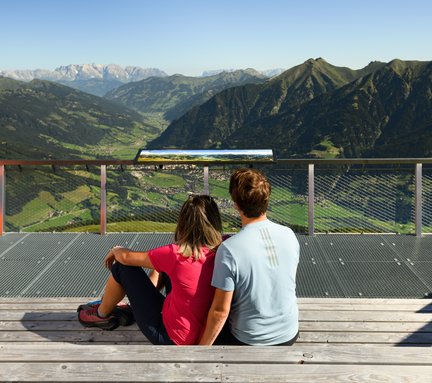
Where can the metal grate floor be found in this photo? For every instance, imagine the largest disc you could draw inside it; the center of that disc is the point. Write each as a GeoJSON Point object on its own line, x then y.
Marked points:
{"type": "Point", "coordinates": [333, 265]}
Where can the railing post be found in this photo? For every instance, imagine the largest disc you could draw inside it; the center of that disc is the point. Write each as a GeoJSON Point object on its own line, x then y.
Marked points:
{"type": "Point", "coordinates": [311, 199]}
{"type": "Point", "coordinates": [103, 212]}
{"type": "Point", "coordinates": [418, 200]}
{"type": "Point", "coordinates": [2, 199]}
{"type": "Point", "coordinates": [206, 180]}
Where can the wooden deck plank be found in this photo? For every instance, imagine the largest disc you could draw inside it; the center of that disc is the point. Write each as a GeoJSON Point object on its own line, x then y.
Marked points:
{"type": "Point", "coordinates": [366, 337]}
{"type": "Point", "coordinates": [206, 372]}
{"type": "Point", "coordinates": [323, 373]}
{"type": "Point", "coordinates": [74, 325]}
{"type": "Point", "coordinates": [301, 300]}
{"type": "Point", "coordinates": [321, 307]}
{"type": "Point", "coordinates": [132, 337]}
{"type": "Point", "coordinates": [304, 326]}
{"type": "Point", "coordinates": [420, 305]}
{"type": "Point", "coordinates": [45, 300]}
{"type": "Point", "coordinates": [367, 301]}
{"type": "Point", "coordinates": [365, 316]}
{"type": "Point", "coordinates": [323, 300]}
{"type": "Point", "coordinates": [297, 354]}
{"type": "Point", "coordinates": [305, 315]}
{"type": "Point", "coordinates": [71, 325]}
{"type": "Point", "coordinates": [349, 327]}
{"type": "Point", "coordinates": [426, 308]}
{"type": "Point", "coordinates": [111, 372]}
{"type": "Point", "coordinates": [82, 336]}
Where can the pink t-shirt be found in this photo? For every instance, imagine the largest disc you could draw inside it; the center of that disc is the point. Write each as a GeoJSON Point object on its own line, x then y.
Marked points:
{"type": "Point", "coordinates": [185, 309]}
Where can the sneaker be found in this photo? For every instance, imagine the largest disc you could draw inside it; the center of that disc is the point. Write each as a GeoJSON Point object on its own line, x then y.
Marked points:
{"type": "Point", "coordinates": [89, 317]}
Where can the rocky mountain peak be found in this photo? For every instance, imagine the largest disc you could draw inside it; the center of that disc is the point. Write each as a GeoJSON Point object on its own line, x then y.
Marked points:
{"type": "Point", "coordinates": [82, 72]}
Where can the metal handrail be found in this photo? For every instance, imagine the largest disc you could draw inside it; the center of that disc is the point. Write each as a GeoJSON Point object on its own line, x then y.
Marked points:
{"type": "Point", "coordinates": [103, 163]}
{"type": "Point", "coordinates": [281, 161]}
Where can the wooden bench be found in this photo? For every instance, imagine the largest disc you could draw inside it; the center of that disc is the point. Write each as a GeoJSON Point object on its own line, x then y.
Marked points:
{"type": "Point", "coordinates": [342, 340]}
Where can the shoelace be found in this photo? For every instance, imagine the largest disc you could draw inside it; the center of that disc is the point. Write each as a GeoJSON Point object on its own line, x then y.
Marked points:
{"type": "Point", "coordinates": [93, 312]}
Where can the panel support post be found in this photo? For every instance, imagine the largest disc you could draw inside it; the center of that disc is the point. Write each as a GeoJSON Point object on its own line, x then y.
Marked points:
{"type": "Point", "coordinates": [311, 199]}
{"type": "Point", "coordinates": [2, 199]}
{"type": "Point", "coordinates": [103, 207]}
{"type": "Point", "coordinates": [206, 180]}
{"type": "Point", "coordinates": [418, 200]}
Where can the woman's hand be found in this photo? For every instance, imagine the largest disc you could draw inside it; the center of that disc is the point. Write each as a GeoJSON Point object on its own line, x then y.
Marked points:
{"type": "Point", "coordinates": [109, 259]}
{"type": "Point", "coordinates": [114, 255]}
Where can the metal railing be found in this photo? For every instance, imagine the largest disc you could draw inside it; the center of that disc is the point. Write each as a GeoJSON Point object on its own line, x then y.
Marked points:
{"type": "Point", "coordinates": [311, 195]}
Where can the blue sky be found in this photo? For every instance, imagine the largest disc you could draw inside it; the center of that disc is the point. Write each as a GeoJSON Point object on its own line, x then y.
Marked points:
{"type": "Point", "coordinates": [190, 36]}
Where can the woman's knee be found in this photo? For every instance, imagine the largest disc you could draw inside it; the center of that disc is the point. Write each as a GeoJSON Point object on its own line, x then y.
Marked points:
{"type": "Point", "coordinates": [116, 271]}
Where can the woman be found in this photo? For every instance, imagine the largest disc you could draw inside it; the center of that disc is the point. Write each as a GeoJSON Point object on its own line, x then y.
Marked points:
{"type": "Point", "coordinates": [180, 317]}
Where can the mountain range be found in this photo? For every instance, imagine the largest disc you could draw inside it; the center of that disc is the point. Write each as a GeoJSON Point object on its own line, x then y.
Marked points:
{"type": "Point", "coordinates": [99, 79]}
{"type": "Point", "coordinates": [95, 79]}
{"type": "Point", "coordinates": [318, 110]}
{"type": "Point", "coordinates": [266, 73]}
{"type": "Point", "coordinates": [174, 95]}
{"type": "Point", "coordinates": [314, 109]}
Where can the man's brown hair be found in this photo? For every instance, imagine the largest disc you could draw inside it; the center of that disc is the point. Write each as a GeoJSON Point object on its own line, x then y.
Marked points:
{"type": "Point", "coordinates": [250, 190]}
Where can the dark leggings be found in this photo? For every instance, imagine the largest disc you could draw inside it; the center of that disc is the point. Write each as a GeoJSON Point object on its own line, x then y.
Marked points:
{"type": "Point", "coordinates": [146, 302]}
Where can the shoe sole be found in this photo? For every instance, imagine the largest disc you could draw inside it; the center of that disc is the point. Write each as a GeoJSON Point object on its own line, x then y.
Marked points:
{"type": "Point", "coordinates": [108, 326]}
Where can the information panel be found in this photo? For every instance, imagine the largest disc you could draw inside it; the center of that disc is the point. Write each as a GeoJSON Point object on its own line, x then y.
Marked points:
{"type": "Point", "coordinates": [216, 155]}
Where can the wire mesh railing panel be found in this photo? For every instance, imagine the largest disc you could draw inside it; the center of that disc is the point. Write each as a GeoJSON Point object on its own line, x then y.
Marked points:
{"type": "Point", "coordinates": [219, 178]}
{"type": "Point", "coordinates": [43, 199]}
{"type": "Point", "coordinates": [148, 199]}
{"type": "Point", "coordinates": [364, 201]}
{"type": "Point", "coordinates": [427, 201]}
{"type": "Point", "coordinates": [288, 201]}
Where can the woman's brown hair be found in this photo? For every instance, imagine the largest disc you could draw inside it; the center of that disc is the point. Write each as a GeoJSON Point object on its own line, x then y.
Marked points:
{"type": "Point", "coordinates": [250, 190]}
{"type": "Point", "coordinates": [199, 224]}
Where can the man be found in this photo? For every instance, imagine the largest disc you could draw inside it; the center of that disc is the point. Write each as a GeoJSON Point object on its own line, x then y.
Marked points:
{"type": "Point", "coordinates": [254, 274]}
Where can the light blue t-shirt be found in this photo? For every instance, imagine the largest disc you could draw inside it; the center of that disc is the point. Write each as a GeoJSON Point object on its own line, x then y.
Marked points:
{"type": "Point", "coordinates": [260, 264]}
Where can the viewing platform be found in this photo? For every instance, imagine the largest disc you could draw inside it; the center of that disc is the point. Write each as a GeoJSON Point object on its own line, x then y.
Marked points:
{"type": "Point", "coordinates": [347, 333]}
{"type": "Point", "coordinates": [364, 280]}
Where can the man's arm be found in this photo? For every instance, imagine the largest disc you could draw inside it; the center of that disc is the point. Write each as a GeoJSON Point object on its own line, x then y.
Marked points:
{"type": "Point", "coordinates": [217, 316]}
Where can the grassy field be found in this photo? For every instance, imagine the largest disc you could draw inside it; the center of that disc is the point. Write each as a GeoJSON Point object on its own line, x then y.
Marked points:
{"type": "Point", "coordinates": [129, 226]}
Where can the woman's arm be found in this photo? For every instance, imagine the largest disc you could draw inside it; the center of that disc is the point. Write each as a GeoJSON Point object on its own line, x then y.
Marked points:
{"type": "Point", "coordinates": [128, 257]}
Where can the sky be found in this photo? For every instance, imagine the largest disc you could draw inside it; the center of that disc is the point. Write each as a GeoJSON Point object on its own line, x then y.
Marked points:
{"type": "Point", "coordinates": [192, 36]}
